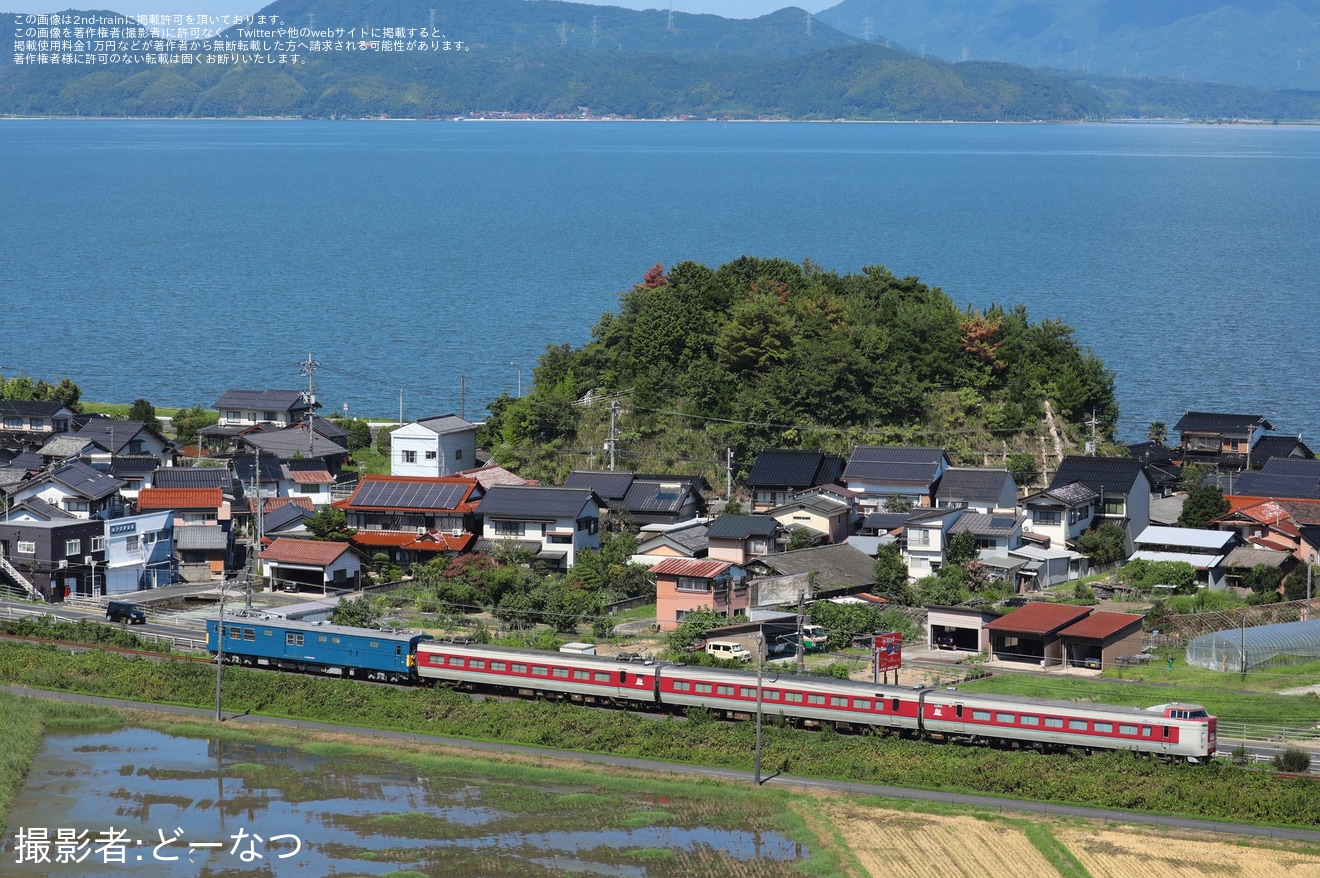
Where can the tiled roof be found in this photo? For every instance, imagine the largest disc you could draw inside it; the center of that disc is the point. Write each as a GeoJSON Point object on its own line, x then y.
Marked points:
{"type": "Point", "coordinates": [1100, 625]}
{"type": "Point", "coordinates": [492, 474]}
{"type": "Point", "coordinates": [315, 552]}
{"type": "Point", "coordinates": [987, 524]}
{"type": "Point", "coordinates": [527, 502]}
{"type": "Point", "coordinates": [821, 504]}
{"type": "Point", "coordinates": [28, 408]}
{"type": "Point", "coordinates": [1109, 475]}
{"type": "Point", "coordinates": [895, 464]}
{"type": "Point", "coordinates": [271, 504]}
{"type": "Point", "coordinates": [194, 477]}
{"type": "Point", "coordinates": [885, 520]}
{"type": "Point", "coordinates": [972, 485]}
{"type": "Point", "coordinates": [261, 400]}
{"type": "Point", "coordinates": [1268, 447]}
{"type": "Point", "coordinates": [292, 442]}
{"type": "Point", "coordinates": [1263, 484]}
{"type": "Point", "coordinates": [897, 454]}
{"type": "Point", "coordinates": [1216, 422]}
{"type": "Point", "coordinates": [1247, 557]}
{"type": "Point", "coordinates": [609, 486]}
{"type": "Point", "coordinates": [283, 516]}
{"type": "Point", "coordinates": [114, 434]}
{"type": "Point", "coordinates": [60, 447]}
{"type": "Point", "coordinates": [740, 527]}
{"type": "Point", "coordinates": [793, 468]}
{"type": "Point", "coordinates": [207, 537]}
{"type": "Point", "coordinates": [650, 496]}
{"type": "Point", "coordinates": [81, 478]}
{"type": "Point", "coordinates": [180, 498]}
{"type": "Point", "coordinates": [271, 468]}
{"type": "Point", "coordinates": [311, 477]}
{"type": "Point", "coordinates": [432, 541]}
{"type": "Point", "coordinates": [133, 464]}
{"type": "Point", "coordinates": [700, 569]}
{"type": "Point", "coordinates": [393, 538]}
{"type": "Point", "coordinates": [1038, 618]}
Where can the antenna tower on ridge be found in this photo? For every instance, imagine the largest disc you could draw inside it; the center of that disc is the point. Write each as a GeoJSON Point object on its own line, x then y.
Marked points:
{"type": "Point", "coordinates": [669, 25]}
{"type": "Point", "coordinates": [594, 31]}
{"type": "Point", "coordinates": [868, 29]}
{"type": "Point", "coordinates": [808, 25]}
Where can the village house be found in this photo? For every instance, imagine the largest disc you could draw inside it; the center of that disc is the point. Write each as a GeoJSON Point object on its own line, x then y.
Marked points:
{"type": "Point", "coordinates": [556, 523]}
{"type": "Point", "coordinates": [685, 584]}
{"type": "Point", "coordinates": [740, 538]}
{"type": "Point", "coordinates": [685, 539]}
{"type": "Point", "coordinates": [826, 518]}
{"type": "Point", "coordinates": [880, 472]}
{"type": "Point", "coordinates": [637, 499]}
{"type": "Point", "coordinates": [315, 565]}
{"type": "Point", "coordinates": [74, 487]}
{"type": "Point", "coordinates": [977, 490]}
{"type": "Point", "coordinates": [1205, 550]}
{"type": "Point", "coordinates": [203, 528]}
{"type": "Point", "coordinates": [1220, 440]}
{"type": "Point", "coordinates": [32, 420]}
{"type": "Point", "coordinates": [437, 446]}
{"type": "Point", "coordinates": [1087, 492]}
{"type": "Point", "coordinates": [779, 473]}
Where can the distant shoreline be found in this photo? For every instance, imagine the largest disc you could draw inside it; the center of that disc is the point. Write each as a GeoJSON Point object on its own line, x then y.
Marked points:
{"type": "Point", "coordinates": [1205, 123]}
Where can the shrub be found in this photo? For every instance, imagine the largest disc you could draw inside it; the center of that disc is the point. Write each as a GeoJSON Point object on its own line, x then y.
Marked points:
{"type": "Point", "coordinates": [1292, 759]}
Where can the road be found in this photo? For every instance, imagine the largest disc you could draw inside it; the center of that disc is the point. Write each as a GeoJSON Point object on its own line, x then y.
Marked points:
{"type": "Point", "coordinates": [840, 786]}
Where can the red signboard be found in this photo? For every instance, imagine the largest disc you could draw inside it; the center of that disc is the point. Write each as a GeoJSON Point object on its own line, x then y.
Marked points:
{"type": "Point", "coordinates": [888, 652]}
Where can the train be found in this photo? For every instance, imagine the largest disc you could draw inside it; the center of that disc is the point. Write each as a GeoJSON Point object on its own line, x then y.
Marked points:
{"type": "Point", "coordinates": [1170, 731]}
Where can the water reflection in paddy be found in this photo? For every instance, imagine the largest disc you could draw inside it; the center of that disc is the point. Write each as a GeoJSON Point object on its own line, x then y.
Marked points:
{"type": "Point", "coordinates": [350, 817]}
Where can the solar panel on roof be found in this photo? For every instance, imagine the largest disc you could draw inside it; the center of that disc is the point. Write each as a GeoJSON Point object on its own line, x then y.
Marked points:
{"type": "Point", "coordinates": [1002, 522]}
{"type": "Point", "coordinates": [411, 495]}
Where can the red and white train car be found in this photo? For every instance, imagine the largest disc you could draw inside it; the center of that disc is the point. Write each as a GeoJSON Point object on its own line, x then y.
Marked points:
{"type": "Point", "coordinates": [585, 678]}
{"type": "Point", "coordinates": [1184, 731]}
{"type": "Point", "coordinates": [844, 704]}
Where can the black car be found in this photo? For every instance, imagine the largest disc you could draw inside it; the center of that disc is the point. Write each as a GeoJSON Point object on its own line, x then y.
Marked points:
{"type": "Point", "coordinates": [946, 641]}
{"type": "Point", "coordinates": [122, 611]}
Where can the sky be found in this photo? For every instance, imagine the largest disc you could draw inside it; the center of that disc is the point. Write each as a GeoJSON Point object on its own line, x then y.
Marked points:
{"type": "Point", "coordinates": [726, 8]}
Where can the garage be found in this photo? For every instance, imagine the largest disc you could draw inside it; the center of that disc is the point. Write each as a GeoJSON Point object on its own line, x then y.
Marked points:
{"type": "Point", "coordinates": [957, 629]}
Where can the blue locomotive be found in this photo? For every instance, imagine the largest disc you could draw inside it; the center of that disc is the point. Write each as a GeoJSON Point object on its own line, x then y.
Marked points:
{"type": "Point", "coordinates": [317, 647]}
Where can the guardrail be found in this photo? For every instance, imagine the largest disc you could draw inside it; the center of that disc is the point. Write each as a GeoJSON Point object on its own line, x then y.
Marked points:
{"type": "Point", "coordinates": [175, 642]}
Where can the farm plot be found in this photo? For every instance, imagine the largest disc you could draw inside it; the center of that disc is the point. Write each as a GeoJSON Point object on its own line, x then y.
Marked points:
{"type": "Point", "coordinates": [903, 844]}
{"type": "Point", "coordinates": [1123, 853]}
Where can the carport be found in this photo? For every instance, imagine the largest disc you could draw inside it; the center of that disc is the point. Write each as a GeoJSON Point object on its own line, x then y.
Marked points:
{"type": "Point", "coordinates": [1031, 634]}
{"type": "Point", "coordinates": [1101, 640]}
{"type": "Point", "coordinates": [958, 628]}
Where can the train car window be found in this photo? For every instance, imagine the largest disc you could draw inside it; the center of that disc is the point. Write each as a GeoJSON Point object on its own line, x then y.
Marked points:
{"type": "Point", "coordinates": [291, 639]}
{"type": "Point", "coordinates": [374, 644]}
{"type": "Point", "coordinates": [770, 695]}
{"type": "Point", "coordinates": [499, 666]}
{"type": "Point", "coordinates": [1006, 718]}
{"type": "Point", "coordinates": [838, 701]}
{"type": "Point", "coordinates": [577, 674]}
{"type": "Point", "coordinates": [957, 711]}
{"type": "Point", "coordinates": [398, 648]}
{"type": "Point", "coordinates": [864, 704]}
{"type": "Point", "coordinates": [1145, 731]}
{"type": "Point", "coordinates": [1028, 719]}
{"type": "Point", "coordinates": [703, 687]}
{"type": "Point", "coordinates": [251, 634]}
{"type": "Point", "coordinates": [793, 696]}
{"type": "Point", "coordinates": [334, 639]}
{"type": "Point", "coordinates": [320, 638]}
{"type": "Point", "coordinates": [815, 699]}
{"type": "Point", "coordinates": [1107, 728]}
{"type": "Point", "coordinates": [682, 686]}
{"type": "Point", "coordinates": [1053, 722]}
{"type": "Point", "coordinates": [623, 678]}
{"type": "Point", "coordinates": [519, 668]}
{"type": "Point", "coordinates": [234, 632]}
{"type": "Point", "coordinates": [747, 692]}
{"type": "Point", "coordinates": [1077, 725]}
{"type": "Point", "coordinates": [1166, 731]}
{"type": "Point", "coordinates": [479, 664]}
{"type": "Point", "coordinates": [1127, 730]}
{"type": "Point", "coordinates": [540, 671]}
{"type": "Point", "coordinates": [981, 715]}
{"type": "Point", "coordinates": [267, 632]}
{"type": "Point", "coordinates": [724, 690]}
{"type": "Point", "coordinates": [895, 705]}
{"type": "Point", "coordinates": [602, 676]}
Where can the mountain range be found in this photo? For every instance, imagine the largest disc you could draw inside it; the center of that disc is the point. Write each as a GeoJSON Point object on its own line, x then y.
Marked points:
{"type": "Point", "coordinates": [541, 57]}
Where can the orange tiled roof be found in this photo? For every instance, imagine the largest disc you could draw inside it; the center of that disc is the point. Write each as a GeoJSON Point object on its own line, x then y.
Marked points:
{"type": "Point", "coordinates": [694, 567]}
{"type": "Point", "coordinates": [180, 498]}
{"type": "Point", "coordinates": [292, 551]}
{"type": "Point", "coordinates": [311, 477]}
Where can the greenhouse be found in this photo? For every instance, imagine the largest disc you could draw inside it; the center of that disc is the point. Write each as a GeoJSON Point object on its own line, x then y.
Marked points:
{"type": "Point", "coordinates": [1242, 649]}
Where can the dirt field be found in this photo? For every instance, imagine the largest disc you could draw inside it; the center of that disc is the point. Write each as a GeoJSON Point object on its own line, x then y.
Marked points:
{"type": "Point", "coordinates": [903, 844]}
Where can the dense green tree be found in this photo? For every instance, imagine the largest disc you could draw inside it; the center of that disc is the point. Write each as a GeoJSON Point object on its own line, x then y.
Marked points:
{"type": "Point", "coordinates": [358, 612]}
{"type": "Point", "coordinates": [188, 423]}
{"type": "Point", "coordinates": [692, 630]}
{"type": "Point", "coordinates": [1294, 587]}
{"type": "Point", "coordinates": [383, 440]}
{"type": "Point", "coordinates": [1105, 544]}
{"type": "Point", "coordinates": [359, 433]}
{"type": "Point", "coordinates": [962, 548]}
{"type": "Point", "coordinates": [1262, 578]}
{"type": "Point", "coordinates": [891, 576]}
{"type": "Point", "coordinates": [328, 523]}
{"type": "Point", "coordinates": [144, 412]}
{"type": "Point", "coordinates": [1204, 504]}
{"type": "Point", "coordinates": [1023, 468]}
{"type": "Point", "coordinates": [1157, 432]}
{"type": "Point", "coordinates": [945, 590]}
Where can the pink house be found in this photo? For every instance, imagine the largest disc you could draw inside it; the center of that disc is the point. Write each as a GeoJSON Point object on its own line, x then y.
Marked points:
{"type": "Point", "coordinates": [686, 584]}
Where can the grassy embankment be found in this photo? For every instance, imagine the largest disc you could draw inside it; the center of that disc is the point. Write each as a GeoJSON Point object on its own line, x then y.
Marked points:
{"type": "Point", "coordinates": [1218, 790]}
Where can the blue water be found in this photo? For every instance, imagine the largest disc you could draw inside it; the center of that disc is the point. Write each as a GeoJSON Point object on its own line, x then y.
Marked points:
{"type": "Point", "coordinates": [175, 260]}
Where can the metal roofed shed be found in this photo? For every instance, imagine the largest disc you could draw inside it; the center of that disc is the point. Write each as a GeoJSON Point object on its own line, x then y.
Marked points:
{"type": "Point", "coordinates": [1238, 650]}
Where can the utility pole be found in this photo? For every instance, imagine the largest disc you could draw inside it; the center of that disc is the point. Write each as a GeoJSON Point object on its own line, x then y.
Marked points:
{"type": "Point", "coordinates": [256, 536]}
{"type": "Point", "coordinates": [801, 620]}
{"type": "Point", "coordinates": [462, 396]}
{"type": "Point", "coordinates": [760, 665]}
{"type": "Point", "coordinates": [1092, 423]}
{"type": "Point", "coordinates": [614, 415]}
{"type": "Point", "coordinates": [728, 474]}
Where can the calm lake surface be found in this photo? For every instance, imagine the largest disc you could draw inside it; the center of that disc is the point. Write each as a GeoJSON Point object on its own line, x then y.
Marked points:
{"type": "Point", "coordinates": [317, 816]}
{"type": "Point", "coordinates": [175, 260]}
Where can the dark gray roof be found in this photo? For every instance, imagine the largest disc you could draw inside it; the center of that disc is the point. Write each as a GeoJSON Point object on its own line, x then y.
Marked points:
{"type": "Point", "coordinates": [447, 423]}
{"type": "Point", "coordinates": [697, 482]}
{"type": "Point", "coordinates": [1217, 422]}
{"type": "Point", "coordinates": [410, 493]}
{"type": "Point", "coordinates": [41, 509]}
{"type": "Point", "coordinates": [1289, 447]}
{"type": "Point", "coordinates": [1112, 475]}
{"type": "Point", "coordinates": [262, 400]}
{"type": "Point", "coordinates": [290, 443]}
{"type": "Point", "coordinates": [740, 527]}
{"type": "Point", "coordinates": [611, 487]}
{"type": "Point", "coordinates": [27, 460]}
{"type": "Point", "coordinates": [271, 469]}
{"type": "Point", "coordinates": [834, 565]}
{"type": "Point", "coordinates": [793, 468]}
{"type": "Point", "coordinates": [64, 446]}
{"type": "Point", "coordinates": [1073, 494]}
{"type": "Point", "coordinates": [1262, 484]}
{"type": "Point", "coordinates": [114, 434]}
{"type": "Point", "coordinates": [31, 408]}
{"type": "Point", "coordinates": [195, 477]}
{"type": "Point", "coordinates": [1291, 466]}
{"type": "Point", "coordinates": [328, 429]}
{"type": "Point", "coordinates": [282, 516]}
{"type": "Point", "coordinates": [972, 485]}
{"type": "Point", "coordinates": [648, 496]}
{"type": "Point", "coordinates": [885, 520]}
{"type": "Point", "coordinates": [305, 465]}
{"type": "Point", "coordinates": [82, 479]}
{"type": "Point", "coordinates": [133, 464]}
{"type": "Point", "coordinates": [691, 536]}
{"type": "Point", "coordinates": [536, 502]}
{"type": "Point", "coordinates": [895, 464]}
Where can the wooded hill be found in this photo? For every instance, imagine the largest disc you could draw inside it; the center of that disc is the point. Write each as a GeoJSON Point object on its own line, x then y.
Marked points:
{"type": "Point", "coordinates": [570, 58]}
{"type": "Point", "coordinates": [768, 353]}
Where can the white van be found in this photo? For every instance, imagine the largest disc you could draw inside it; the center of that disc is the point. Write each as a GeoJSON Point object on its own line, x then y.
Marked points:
{"type": "Point", "coordinates": [727, 649]}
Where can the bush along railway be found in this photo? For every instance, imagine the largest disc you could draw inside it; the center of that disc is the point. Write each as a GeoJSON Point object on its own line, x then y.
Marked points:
{"type": "Point", "coordinates": [1168, 731]}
